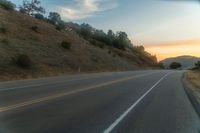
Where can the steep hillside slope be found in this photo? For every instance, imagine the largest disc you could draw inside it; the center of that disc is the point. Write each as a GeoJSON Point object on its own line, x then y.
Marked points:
{"type": "Point", "coordinates": [186, 61]}
{"type": "Point", "coordinates": [41, 42]}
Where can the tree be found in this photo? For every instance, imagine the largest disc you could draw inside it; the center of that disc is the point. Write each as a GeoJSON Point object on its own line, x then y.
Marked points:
{"type": "Point", "coordinates": [111, 37]}
{"type": "Point", "coordinates": [31, 8]}
{"type": "Point", "coordinates": [100, 36]}
{"type": "Point", "coordinates": [197, 64]}
{"type": "Point", "coordinates": [54, 18]}
{"type": "Point", "coordinates": [39, 16]}
{"type": "Point", "coordinates": [161, 65]}
{"type": "Point", "coordinates": [122, 41]}
{"type": "Point", "coordinates": [86, 30]}
{"type": "Point", "coordinates": [7, 5]}
{"type": "Point", "coordinates": [175, 65]}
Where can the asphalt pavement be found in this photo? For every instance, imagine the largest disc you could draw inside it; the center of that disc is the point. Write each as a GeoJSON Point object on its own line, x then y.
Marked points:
{"type": "Point", "coordinates": [151, 101]}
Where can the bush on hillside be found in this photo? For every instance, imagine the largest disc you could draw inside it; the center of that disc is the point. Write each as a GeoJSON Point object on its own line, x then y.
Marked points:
{"type": "Point", "coordinates": [197, 65]}
{"type": "Point", "coordinates": [7, 5]}
{"type": "Point", "coordinates": [175, 65]}
{"type": "Point", "coordinates": [3, 29]}
{"type": "Point", "coordinates": [34, 28]}
{"type": "Point", "coordinates": [66, 45]}
{"type": "Point", "coordinates": [5, 41]}
{"type": "Point", "coordinates": [23, 61]}
{"type": "Point", "coordinates": [39, 16]}
{"type": "Point", "coordinates": [161, 65]}
{"type": "Point", "coordinates": [58, 28]}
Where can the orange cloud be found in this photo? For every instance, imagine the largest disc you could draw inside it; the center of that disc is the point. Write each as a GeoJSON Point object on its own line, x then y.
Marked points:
{"type": "Point", "coordinates": [176, 48]}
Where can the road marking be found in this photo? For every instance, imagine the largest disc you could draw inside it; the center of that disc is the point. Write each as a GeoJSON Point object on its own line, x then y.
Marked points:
{"type": "Point", "coordinates": [43, 84]}
{"type": "Point", "coordinates": [47, 98]}
{"type": "Point", "coordinates": [37, 85]}
{"type": "Point", "coordinates": [119, 119]}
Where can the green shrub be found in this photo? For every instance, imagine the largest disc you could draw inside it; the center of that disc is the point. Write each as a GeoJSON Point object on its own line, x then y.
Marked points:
{"type": "Point", "coordinates": [34, 28]}
{"type": "Point", "coordinates": [66, 45]}
{"type": "Point", "coordinates": [23, 61]}
{"type": "Point", "coordinates": [197, 65]}
{"type": "Point", "coordinates": [39, 16]}
{"type": "Point", "coordinates": [7, 5]}
{"type": "Point", "coordinates": [3, 30]}
{"type": "Point", "coordinates": [59, 28]}
{"type": "Point", "coordinates": [175, 65]}
{"type": "Point", "coordinates": [100, 45]}
{"type": "Point", "coordinates": [161, 65]}
{"type": "Point", "coordinates": [120, 54]}
{"type": "Point", "coordinates": [5, 41]}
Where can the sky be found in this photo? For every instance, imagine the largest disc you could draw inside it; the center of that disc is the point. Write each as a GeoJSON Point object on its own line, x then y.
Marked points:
{"type": "Point", "coordinates": [167, 28]}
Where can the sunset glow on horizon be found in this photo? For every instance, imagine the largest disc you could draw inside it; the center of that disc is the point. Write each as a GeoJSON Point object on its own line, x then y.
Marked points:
{"type": "Point", "coordinates": [173, 49]}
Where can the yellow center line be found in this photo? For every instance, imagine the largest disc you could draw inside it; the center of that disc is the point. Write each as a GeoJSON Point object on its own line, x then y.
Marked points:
{"type": "Point", "coordinates": [47, 98]}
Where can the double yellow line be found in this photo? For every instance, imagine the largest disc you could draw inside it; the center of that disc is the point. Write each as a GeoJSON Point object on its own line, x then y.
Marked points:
{"type": "Point", "coordinates": [47, 98]}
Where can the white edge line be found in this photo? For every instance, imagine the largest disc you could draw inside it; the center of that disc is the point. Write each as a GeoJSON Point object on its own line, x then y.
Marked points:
{"type": "Point", "coordinates": [119, 119]}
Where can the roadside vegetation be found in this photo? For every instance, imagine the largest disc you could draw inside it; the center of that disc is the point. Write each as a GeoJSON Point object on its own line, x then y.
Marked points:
{"type": "Point", "coordinates": [35, 44]}
{"type": "Point", "coordinates": [175, 65]}
{"type": "Point", "coordinates": [193, 77]}
{"type": "Point", "coordinates": [23, 61]}
{"type": "Point", "coordinates": [66, 45]}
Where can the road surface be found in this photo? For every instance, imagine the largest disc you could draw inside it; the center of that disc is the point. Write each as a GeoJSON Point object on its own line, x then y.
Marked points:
{"type": "Point", "coordinates": [152, 101]}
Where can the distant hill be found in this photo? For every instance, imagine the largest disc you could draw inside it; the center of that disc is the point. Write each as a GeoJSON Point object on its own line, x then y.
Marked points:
{"type": "Point", "coordinates": [186, 61]}
{"type": "Point", "coordinates": [55, 52]}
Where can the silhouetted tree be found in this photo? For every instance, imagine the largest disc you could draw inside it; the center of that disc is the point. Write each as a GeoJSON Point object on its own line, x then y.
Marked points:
{"type": "Point", "coordinates": [161, 65]}
{"type": "Point", "coordinates": [197, 65]}
{"type": "Point", "coordinates": [31, 8]}
{"type": "Point", "coordinates": [175, 65]}
{"type": "Point", "coordinates": [54, 18]}
{"type": "Point", "coordinates": [39, 16]}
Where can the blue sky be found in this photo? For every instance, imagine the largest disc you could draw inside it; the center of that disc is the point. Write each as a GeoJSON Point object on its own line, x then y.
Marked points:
{"type": "Point", "coordinates": [147, 22]}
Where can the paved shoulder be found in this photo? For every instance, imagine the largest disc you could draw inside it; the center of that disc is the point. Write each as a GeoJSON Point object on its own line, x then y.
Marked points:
{"type": "Point", "coordinates": [166, 110]}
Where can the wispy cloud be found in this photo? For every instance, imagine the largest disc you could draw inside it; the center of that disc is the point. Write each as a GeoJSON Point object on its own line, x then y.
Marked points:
{"type": "Point", "coordinates": [85, 8]}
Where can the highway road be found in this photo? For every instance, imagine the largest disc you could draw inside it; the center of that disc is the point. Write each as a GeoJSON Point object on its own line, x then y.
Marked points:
{"type": "Point", "coordinates": [151, 101]}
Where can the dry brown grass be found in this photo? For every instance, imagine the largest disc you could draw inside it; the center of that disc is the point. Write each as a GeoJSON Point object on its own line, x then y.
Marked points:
{"type": "Point", "coordinates": [43, 46]}
{"type": "Point", "coordinates": [194, 79]}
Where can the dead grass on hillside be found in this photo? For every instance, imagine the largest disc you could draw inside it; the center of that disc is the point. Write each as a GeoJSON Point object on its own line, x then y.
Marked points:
{"type": "Point", "coordinates": [42, 42]}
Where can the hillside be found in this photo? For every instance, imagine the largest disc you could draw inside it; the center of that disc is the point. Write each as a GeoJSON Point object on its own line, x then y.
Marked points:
{"type": "Point", "coordinates": [186, 61]}
{"type": "Point", "coordinates": [21, 34]}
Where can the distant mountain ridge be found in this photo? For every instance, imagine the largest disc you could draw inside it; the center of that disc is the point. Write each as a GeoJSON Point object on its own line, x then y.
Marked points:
{"type": "Point", "coordinates": [186, 61]}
